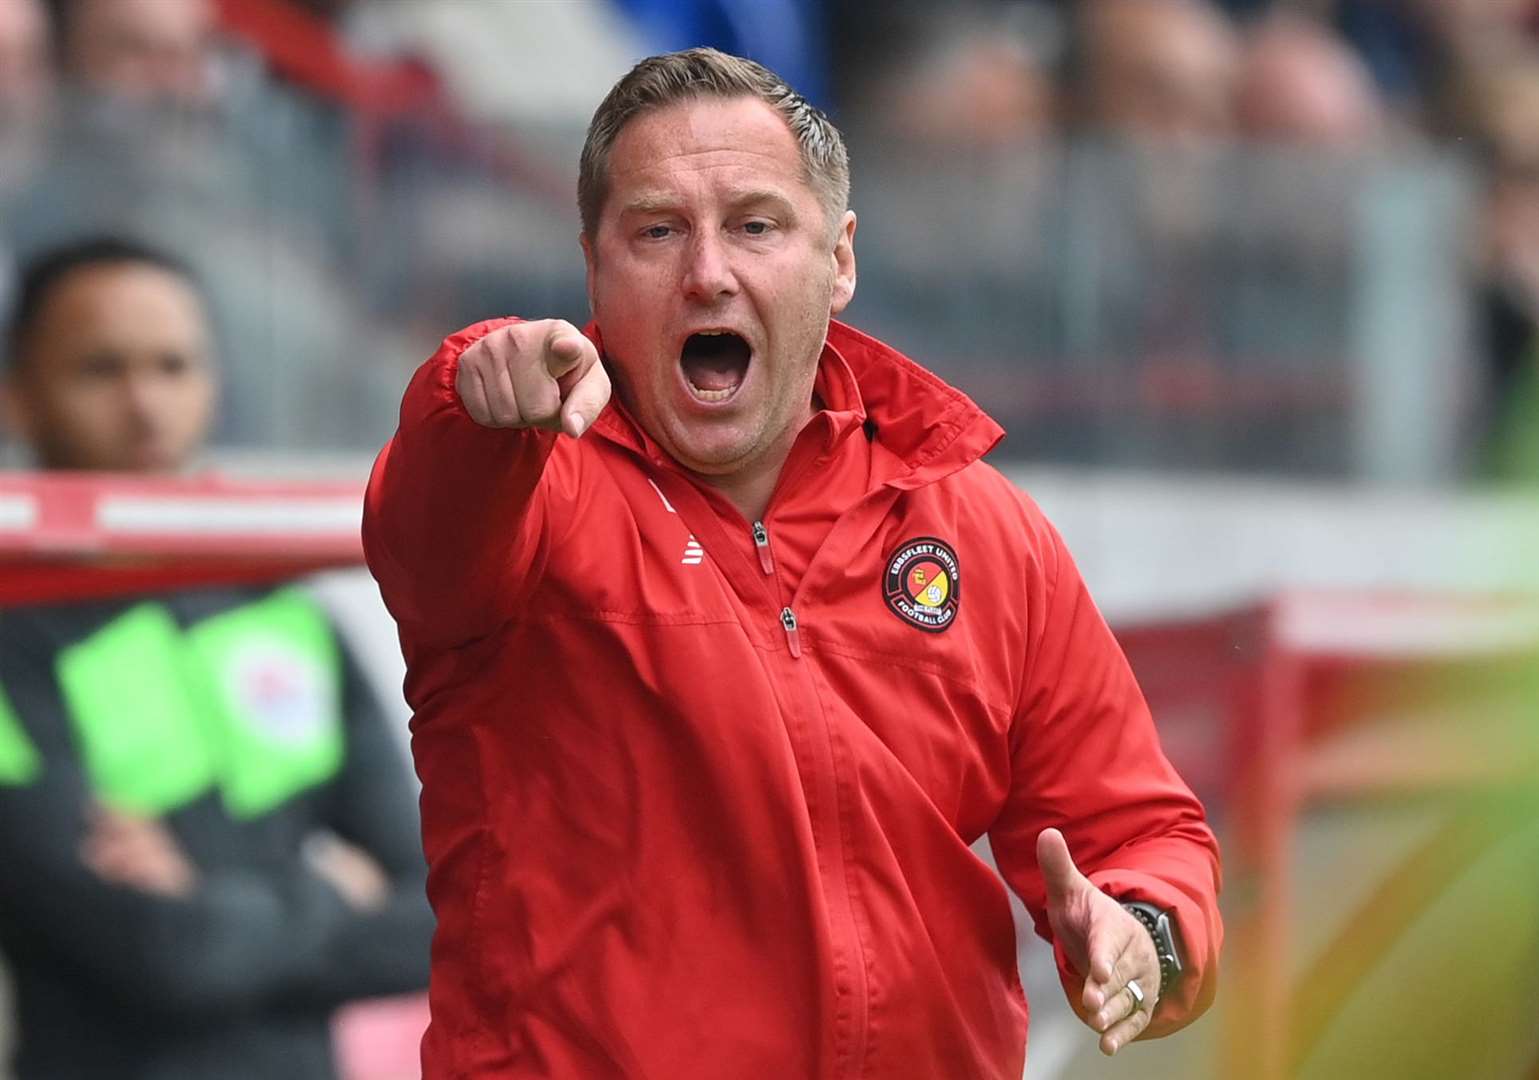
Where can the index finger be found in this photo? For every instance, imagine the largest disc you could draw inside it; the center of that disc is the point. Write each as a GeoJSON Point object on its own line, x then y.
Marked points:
{"type": "Point", "coordinates": [585, 401]}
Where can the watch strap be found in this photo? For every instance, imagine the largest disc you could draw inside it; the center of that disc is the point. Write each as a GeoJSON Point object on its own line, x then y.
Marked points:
{"type": "Point", "coordinates": [1162, 932]}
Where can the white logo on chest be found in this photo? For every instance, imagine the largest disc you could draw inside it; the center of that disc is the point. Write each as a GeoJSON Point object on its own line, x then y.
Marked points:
{"type": "Point", "coordinates": [694, 554]}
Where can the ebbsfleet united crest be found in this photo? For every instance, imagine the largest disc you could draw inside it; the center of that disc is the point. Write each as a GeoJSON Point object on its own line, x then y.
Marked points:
{"type": "Point", "coordinates": [923, 583]}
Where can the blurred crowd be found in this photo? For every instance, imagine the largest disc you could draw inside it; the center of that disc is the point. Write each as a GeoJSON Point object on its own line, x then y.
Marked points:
{"type": "Point", "coordinates": [351, 177]}
{"type": "Point", "coordinates": [1296, 85]}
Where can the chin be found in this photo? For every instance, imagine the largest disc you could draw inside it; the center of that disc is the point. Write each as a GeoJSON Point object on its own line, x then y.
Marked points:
{"type": "Point", "coordinates": [711, 457]}
{"type": "Point", "coordinates": [707, 463]}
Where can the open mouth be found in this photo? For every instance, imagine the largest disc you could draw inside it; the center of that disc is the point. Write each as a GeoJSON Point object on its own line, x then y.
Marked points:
{"type": "Point", "coordinates": [715, 362]}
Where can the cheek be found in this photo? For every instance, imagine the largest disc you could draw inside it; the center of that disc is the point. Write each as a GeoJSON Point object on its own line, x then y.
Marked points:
{"type": "Point", "coordinates": [89, 406]}
{"type": "Point", "coordinates": [632, 285]}
{"type": "Point", "coordinates": [806, 306]}
{"type": "Point", "coordinates": [191, 406]}
{"type": "Point", "coordinates": [89, 426]}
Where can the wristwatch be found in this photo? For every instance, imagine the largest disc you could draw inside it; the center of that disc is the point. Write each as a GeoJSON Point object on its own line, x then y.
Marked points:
{"type": "Point", "coordinates": [1167, 943]}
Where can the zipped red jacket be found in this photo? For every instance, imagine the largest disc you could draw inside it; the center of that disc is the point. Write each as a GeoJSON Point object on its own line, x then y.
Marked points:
{"type": "Point", "coordinates": [698, 792]}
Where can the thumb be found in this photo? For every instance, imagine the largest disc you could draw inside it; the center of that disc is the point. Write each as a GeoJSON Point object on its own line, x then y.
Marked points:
{"type": "Point", "coordinates": [564, 351]}
{"type": "Point", "coordinates": [1059, 873]}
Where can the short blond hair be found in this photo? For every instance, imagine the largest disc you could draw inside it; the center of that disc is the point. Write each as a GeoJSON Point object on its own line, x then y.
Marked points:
{"type": "Point", "coordinates": [660, 81]}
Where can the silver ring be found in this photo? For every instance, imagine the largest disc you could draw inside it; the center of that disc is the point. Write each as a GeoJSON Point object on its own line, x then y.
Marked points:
{"type": "Point", "coordinates": [1138, 995]}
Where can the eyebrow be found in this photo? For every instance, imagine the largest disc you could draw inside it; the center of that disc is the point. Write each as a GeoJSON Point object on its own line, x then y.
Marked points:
{"type": "Point", "coordinates": [649, 203]}
{"type": "Point", "coordinates": [657, 202]}
{"type": "Point", "coordinates": [757, 196]}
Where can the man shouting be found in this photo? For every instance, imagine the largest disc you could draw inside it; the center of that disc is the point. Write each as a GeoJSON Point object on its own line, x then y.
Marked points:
{"type": "Point", "coordinates": [716, 679]}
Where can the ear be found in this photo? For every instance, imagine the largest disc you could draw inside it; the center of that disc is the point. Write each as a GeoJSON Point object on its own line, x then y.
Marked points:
{"type": "Point", "coordinates": [590, 261]}
{"type": "Point", "coordinates": [844, 263]}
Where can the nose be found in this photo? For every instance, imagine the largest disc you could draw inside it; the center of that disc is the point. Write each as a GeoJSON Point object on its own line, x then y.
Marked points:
{"type": "Point", "coordinates": [147, 395]}
{"type": "Point", "coordinates": [708, 276]}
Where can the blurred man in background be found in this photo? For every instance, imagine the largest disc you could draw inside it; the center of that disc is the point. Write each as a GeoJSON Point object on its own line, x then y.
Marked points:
{"type": "Point", "coordinates": [26, 72]}
{"type": "Point", "coordinates": [1501, 110]}
{"type": "Point", "coordinates": [26, 92]}
{"type": "Point", "coordinates": [139, 50]}
{"type": "Point", "coordinates": [1302, 85]}
{"type": "Point", "coordinates": [1157, 70]}
{"type": "Point", "coordinates": [110, 363]}
{"type": "Point", "coordinates": [208, 834]}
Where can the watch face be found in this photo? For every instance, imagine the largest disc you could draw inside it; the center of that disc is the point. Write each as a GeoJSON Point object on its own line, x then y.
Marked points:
{"type": "Point", "coordinates": [1165, 940]}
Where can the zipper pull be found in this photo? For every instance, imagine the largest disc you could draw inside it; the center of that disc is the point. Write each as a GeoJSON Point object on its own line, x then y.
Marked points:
{"type": "Point", "coordinates": [788, 620]}
{"type": "Point", "coordinates": [761, 541]}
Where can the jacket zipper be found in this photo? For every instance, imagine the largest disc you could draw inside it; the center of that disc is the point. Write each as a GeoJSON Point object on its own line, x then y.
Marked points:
{"type": "Point", "coordinates": [794, 639]}
{"type": "Point", "coordinates": [761, 543]}
{"type": "Point", "coordinates": [789, 623]}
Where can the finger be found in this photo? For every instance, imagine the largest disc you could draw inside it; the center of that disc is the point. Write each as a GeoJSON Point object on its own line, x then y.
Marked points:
{"type": "Point", "coordinates": [1118, 1008]}
{"type": "Point", "coordinates": [1099, 991]}
{"type": "Point", "coordinates": [501, 397]}
{"type": "Point", "coordinates": [538, 396]}
{"type": "Point", "coordinates": [106, 819]}
{"type": "Point", "coordinates": [114, 863]}
{"type": "Point", "coordinates": [1125, 1032]}
{"type": "Point", "coordinates": [1059, 873]}
{"type": "Point", "coordinates": [585, 400]}
{"type": "Point", "coordinates": [1111, 961]}
{"type": "Point", "coordinates": [565, 349]}
{"type": "Point", "coordinates": [467, 381]}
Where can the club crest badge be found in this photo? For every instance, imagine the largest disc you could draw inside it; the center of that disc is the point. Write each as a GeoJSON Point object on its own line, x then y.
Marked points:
{"type": "Point", "coordinates": [923, 583]}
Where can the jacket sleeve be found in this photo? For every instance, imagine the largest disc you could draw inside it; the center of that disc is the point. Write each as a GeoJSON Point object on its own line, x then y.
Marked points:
{"type": "Point", "coordinates": [1086, 759]}
{"type": "Point", "coordinates": [373, 805]}
{"type": "Point", "coordinates": [455, 513]}
{"type": "Point", "coordinates": [240, 939]}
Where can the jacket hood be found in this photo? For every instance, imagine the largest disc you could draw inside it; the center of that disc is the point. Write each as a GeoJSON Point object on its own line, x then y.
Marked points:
{"type": "Point", "coordinates": [929, 426]}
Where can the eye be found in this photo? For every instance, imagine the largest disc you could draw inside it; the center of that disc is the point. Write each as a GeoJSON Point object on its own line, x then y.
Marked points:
{"type": "Point", "coordinates": [756, 228]}
{"type": "Point", "coordinates": [657, 232]}
{"type": "Point", "coordinates": [101, 366]}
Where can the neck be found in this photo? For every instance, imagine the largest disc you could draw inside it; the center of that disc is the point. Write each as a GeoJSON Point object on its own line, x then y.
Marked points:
{"type": "Point", "coordinates": [749, 492]}
{"type": "Point", "coordinates": [750, 488]}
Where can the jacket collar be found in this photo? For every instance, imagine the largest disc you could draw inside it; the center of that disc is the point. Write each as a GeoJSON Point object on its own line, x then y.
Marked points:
{"type": "Point", "coordinates": [930, 428]}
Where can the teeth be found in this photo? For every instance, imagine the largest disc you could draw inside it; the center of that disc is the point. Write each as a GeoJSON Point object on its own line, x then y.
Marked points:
{"type": "Point", "coordinates": [712, 395]}
{"type": "Point", "coordinates": [713, 333]}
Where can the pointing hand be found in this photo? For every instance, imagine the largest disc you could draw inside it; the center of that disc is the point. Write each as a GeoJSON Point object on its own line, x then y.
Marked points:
{"type": "Point", "coordinates": [542, 374]}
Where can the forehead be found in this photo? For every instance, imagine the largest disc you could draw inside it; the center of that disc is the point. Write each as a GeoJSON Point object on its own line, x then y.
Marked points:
{"type": "Point", "coordinates": [741, 137]}
{"type": "Point", "coordinates": [156, 19]}
{"type": "Point", "coordinates": [125, 305]}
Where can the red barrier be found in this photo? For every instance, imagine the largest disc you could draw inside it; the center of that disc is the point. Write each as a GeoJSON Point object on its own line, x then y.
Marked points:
{"type": "Point", "coordinates": [1328, 657]}
{"type": "Point", "coordinates": [67, 536]}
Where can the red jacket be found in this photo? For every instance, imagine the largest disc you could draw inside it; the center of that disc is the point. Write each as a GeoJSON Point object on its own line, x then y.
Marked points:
{"type": "Point", "coordinates": [697, 797]}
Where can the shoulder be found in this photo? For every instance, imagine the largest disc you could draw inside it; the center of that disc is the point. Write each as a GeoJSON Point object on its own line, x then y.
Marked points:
{"type": "Point", "coordinates": [994, 508]}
